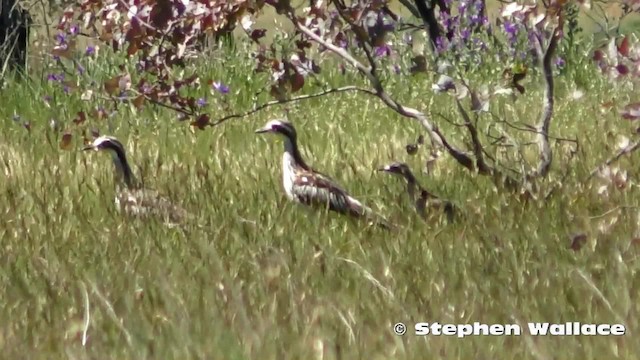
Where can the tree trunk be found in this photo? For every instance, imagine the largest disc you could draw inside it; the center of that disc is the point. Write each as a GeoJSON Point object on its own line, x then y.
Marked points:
{"type": "Point", "coordinates": [14, 36]}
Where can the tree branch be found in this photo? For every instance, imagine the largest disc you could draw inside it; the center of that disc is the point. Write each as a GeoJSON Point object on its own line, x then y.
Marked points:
{"type": "Point", "coordinates": [626, 150]}
{"type": "Point", "coordinates": [296, 98]}
{"type": "Point", "coordinates": [427, 14]}
{"type": "Point", "coordinates": [546, 155]}
{"type": "Point", "coordinates": [483, 168]}
{"type": "Point", "coordinates": [436, 137]}
{"type": "Point", "coordinates": [412, 9]}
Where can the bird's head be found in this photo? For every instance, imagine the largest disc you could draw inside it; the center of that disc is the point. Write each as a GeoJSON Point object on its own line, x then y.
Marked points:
{"type": "Point", "coordinates": [396, 168]}
{"type": "Point", "coordinates": [279, 126]}
{"type": "Point", "coordinates": [108, 143]}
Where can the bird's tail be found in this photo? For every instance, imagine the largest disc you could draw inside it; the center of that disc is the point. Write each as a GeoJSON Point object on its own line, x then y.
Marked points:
{"type": "Point", "coordinates": [362, 211]}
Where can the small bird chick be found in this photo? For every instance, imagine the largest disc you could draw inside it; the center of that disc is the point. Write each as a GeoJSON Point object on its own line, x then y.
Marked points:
{"type": "Point", "coordinates": [418, 195]}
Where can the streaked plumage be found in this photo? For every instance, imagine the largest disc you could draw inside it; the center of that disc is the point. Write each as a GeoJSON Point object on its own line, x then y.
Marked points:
{"type": "Point", "coordinates": [422, 199]}
{"type": "Point", "coordinates": [306, 186]}
{"type": "Point", "coordinates": [130, 197]}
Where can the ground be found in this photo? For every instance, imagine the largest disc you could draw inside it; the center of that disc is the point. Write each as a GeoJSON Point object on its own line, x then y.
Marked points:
{"type": "Point", "coordinates": [256, 276]}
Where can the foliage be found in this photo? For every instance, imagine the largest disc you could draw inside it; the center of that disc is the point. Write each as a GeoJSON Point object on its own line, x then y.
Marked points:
{"type": "Point", "coordinates": [257, 277]}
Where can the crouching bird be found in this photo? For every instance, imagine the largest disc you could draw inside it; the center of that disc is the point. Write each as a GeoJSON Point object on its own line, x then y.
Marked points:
{"type": "Point", "coordinates": [421, 199]}
{"type": "Point", "coordinates": [306, 186]}
{"type": "Point", "coordinates": [130, 196]}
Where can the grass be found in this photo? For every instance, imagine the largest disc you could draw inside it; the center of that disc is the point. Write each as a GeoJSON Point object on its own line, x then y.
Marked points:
{"type": "Point", "coordinates": [259, 277]}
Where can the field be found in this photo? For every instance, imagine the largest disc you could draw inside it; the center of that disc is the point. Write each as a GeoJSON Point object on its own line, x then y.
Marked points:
{"type": "Point", "coordinates": [255, 276]}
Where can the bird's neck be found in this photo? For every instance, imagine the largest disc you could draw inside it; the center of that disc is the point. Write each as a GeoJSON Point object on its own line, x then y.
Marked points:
{"type": "Point", "coordinates": [123, 170]}
{"type": "Point", "coordinates": [412, 185]}
{"type": "Point", "coordinates": [292, 154]}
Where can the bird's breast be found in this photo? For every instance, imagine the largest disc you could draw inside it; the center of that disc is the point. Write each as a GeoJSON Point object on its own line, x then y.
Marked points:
{"type": "Point", "coordinates": [288, 175]}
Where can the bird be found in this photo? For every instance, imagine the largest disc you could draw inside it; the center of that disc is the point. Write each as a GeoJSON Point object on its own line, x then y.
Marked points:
{"type": "Point", "coordinates": [130, 196]}
{"type": "Point", "coordinates": [306, 186]}
{"type": "Point", "coordinates": [419, 196]}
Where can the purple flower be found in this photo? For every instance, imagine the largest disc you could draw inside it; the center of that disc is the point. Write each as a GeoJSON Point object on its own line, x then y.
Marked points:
{"type": "Point", "coordinates": [220, 87]}
{"type": "Point", "coordinates": [61, 39]}
{"type": "Point", "coordinates": [381, 51]}
{"type": "Point", "coordinates": [560, 62]}
{"type": "Point", "coordinates": [81, 69]}
{"type": "Point", "coordinates": [74, 30]}
{"type": "Point", "coordinates": [510, 28]}
{"type": "Point", "coordinates": [449, 22]}
{"type": "Point", "coordinates": [201, 102]}
{"type": "Point", "coordinates": [441, 44]}
{"type": "Point", "coordinates": [55, 77]}
{"type": "Point", "coordinates": [480, 44]}
{"type": "Point", "coordinates": [66, 89]}
{"type": "Point", "coordinates": [462, 7]}
{"type": "Point", "coordinates": [90, 51]}
{"type": "Point", "coordinates": [465, 34]}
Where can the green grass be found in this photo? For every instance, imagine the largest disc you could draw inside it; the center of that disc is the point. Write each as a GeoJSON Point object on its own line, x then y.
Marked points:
{"type": "Point", "coordinates": [261, 278]}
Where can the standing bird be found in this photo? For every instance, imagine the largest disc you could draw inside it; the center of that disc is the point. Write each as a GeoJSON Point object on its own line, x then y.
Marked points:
{"type": "Point", "coordinates": [306, 186]}
{"type": "Point", "coordinates": [419, 196]}
{"type": "Point", "coordinates": [130, 197]}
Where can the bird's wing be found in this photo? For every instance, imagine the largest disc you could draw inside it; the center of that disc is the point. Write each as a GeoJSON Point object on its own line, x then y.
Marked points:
{"type": "Point", "coordinates": [150, 202]}
{"type": "Point", "coordinates": [313, 188]}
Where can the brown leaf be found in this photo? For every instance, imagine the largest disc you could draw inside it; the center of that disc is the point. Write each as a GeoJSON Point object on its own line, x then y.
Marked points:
{"type": "Point", "coordinates": [623, 48]}
{"type": "Point", "coordinates": [138, 101]}
{"type": "Point", "coordinates": [578, 241]}
{"type": "Point", "coordinates": [297, 82]}
{"type": "Point", "coordinates": [111, 85]}
{"type": "Point", "coordinates": [258, 34]}
{"type": "Point", "coordinates": [65, 143]}
{"type": "Point", "coordinates": [99, 113]}
{"type": "Point", "coordinates": [598, 55]}
{"type": "Point", "coordinates": [81, 118]}
{"type": "Point", "coordinates": [133, 48]}
{"type": "Point", "coordinates": [622, 69]}
{"type": "Point", "coordinates": [278, 92]}
{"type": "Point", "coordinates": [201, 122]}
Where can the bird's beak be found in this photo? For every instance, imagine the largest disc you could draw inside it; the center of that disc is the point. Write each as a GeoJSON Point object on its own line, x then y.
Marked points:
{"type": "Point", "coordinates": [263, 130]}
{"type": "Point", "coordinates": [383, 169]}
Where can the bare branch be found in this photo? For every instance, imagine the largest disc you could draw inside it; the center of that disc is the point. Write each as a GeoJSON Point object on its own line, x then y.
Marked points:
{"type": "Point", "coordinates": [436, 137]}
{"type": "Point", "coordinates": [532, 129]}
{"type": "Point", "coordinates": [483, 168]}
{"type": "Point", "coordinates": [546, 154]}
{"type": "Point", "coordinates": [296, 98]}
{"type": "Point", "coordinates": [627, 150]}
{"type": "Point", "coordinates": [412, 9]}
